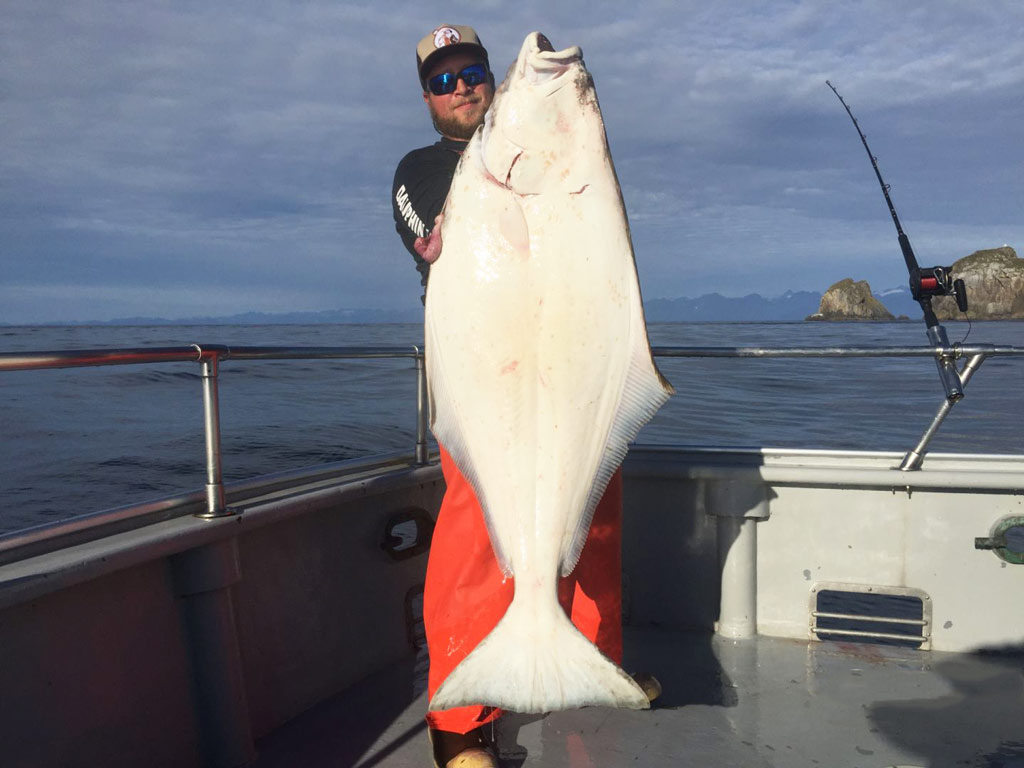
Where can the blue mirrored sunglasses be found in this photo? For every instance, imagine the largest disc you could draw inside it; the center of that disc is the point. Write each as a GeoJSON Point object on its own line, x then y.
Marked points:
{"type": "Point", "coordinates": [444, 83]}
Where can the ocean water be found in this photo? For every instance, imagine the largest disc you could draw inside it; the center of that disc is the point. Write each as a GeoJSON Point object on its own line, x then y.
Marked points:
{"type": "Point", "coordinates": [80, 440]}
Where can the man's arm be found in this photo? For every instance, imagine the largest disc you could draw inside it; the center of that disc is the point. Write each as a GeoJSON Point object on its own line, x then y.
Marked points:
{"type": "Point", "coordinates": [418, 194]}
{"type": "Point", "coordinates": [429, 247]}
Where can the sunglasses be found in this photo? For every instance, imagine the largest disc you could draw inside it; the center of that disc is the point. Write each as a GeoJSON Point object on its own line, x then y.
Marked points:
{"type": "Point", "coordinates": [444, 83]}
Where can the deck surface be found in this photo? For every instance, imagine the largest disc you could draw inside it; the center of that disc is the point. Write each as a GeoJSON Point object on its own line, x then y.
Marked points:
{"type": "Point", "coordinates": [763, 702]}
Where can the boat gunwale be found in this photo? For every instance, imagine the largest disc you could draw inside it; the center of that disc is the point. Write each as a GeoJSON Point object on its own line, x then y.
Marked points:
{"type": "Point", "coordinates": [41, 570]}
{"type": "Point", "coordinates": [28, 542]}
{"type": "Point", "coordinates": [99, 543]}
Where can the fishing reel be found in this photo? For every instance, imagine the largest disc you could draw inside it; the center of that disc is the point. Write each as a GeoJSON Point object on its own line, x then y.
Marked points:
{"type": "Point", "coordinates": [937, 281]}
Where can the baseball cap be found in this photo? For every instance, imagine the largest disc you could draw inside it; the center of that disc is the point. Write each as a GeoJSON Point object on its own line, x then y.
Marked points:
{"type": "Point", "coordinates": [446, 39]}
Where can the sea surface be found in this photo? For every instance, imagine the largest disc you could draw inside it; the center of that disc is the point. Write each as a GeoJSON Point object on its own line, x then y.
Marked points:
{"type": "Point", "coordinates": [81, 440]}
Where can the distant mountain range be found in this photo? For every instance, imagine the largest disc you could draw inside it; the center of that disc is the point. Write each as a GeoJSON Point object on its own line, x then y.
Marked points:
{"type": "Point", "coordinates": [792, 306]}
{"type": "Point", "coordinates": [330, 316]}
{"type": "Point", "coordinates": [900, 302]}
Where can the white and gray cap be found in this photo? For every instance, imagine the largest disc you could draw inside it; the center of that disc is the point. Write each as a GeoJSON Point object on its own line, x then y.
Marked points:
{"type": "Point", "coordinates": [443, 41]}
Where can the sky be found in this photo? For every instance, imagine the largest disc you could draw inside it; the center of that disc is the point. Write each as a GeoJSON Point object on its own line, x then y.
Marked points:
{"type": "Point", "coordinates": [181, 159]}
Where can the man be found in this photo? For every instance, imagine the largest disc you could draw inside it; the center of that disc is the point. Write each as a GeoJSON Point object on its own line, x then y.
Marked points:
{"type": "Point", "coordinates": [457, 105]}
{"type": "Point", "coordinates": [465, 594]}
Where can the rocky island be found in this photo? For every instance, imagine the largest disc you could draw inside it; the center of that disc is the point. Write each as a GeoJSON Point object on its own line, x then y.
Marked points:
{"type": "Point", "coordinates": [847, 300]}
{"type": "Point", "coordinates": [994, 279]}
{"type": "Point", "coordinates": [995, 286]}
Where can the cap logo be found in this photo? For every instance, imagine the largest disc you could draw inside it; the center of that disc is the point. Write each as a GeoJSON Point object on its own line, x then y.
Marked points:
{"type": "Point", "coordinates": [446, 36]}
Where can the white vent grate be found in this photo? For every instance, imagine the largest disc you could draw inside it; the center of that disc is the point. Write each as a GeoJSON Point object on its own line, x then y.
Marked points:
{"type": "Point", "coordinates": [871, 614]}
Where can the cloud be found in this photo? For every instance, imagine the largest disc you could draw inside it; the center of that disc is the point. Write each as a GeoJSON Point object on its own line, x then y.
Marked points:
{"type": "Point", "coordinates": [147, 148]}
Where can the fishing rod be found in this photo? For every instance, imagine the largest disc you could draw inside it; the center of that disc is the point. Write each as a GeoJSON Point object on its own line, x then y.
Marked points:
{"type": "Point", "coordinates": [924, 283]}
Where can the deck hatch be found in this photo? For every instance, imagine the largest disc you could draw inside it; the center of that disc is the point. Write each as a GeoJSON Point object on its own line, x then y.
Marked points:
{"type": "Point", "coordinates": [871, 614]}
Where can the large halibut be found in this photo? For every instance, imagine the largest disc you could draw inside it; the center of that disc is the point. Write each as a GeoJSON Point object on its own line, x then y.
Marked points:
{"type": "Point", "coordinates": [539, 369]}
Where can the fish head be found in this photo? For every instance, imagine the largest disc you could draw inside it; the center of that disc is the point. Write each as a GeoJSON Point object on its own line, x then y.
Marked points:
{"type": "Point", "coordinates": [544, 116]}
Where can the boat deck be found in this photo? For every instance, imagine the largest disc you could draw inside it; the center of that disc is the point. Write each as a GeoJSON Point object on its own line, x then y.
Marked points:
{"type": "Point", "coordinates": [760, 702]}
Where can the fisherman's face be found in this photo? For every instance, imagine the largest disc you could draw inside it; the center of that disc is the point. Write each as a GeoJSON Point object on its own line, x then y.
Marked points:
{"type": "Point", "coordinates": [458, 114]}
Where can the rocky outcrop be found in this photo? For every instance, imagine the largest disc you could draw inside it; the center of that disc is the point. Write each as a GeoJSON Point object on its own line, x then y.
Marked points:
{"type": "Point", "coordinates": [995, 286]}
{"type": "Point", "coordinates": [847, 300]}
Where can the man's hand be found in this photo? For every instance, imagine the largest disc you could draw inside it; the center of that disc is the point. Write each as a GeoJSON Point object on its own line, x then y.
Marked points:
{"type": "Point", "coordinates": [429, 247]}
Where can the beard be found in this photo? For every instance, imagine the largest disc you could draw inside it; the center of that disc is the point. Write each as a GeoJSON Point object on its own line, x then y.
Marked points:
{"type": "Point", "coordinates": [453, 127]}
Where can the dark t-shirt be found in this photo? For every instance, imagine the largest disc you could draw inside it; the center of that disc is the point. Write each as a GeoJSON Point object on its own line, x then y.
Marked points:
{"type": "Point", "coordinates": [421, 185]}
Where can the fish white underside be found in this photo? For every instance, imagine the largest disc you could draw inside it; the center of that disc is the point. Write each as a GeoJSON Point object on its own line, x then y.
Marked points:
{"type": "Point", "coordinates": [540, 374]}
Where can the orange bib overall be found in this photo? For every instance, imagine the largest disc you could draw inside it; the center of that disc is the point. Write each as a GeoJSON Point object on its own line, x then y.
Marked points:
{"type": "Point", "coordinates": [465, 594]}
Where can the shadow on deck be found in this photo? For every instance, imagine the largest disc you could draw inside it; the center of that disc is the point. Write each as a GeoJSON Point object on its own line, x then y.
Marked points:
{"type": "Point", "coordinates": [762, 702]}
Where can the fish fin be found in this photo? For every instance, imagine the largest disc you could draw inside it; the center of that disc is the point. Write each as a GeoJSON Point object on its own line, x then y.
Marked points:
{"type": "Point", "coordinates": [571, 554]}
{"type": "Point", "coordinates": [521, 669]}
{"type": "Point", "coordinates": [445, 426]}
{"type": "Point", "coordinates": [644, 391]}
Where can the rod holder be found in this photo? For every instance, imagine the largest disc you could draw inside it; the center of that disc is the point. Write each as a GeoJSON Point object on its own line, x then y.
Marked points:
{"type": "Point", "coordinates": [913, 459]}
{"type": "Point", "coordinates": [215, 501]}
{"type": "Point", "coordinates": [421, 408]}
{"type": "Point", "coordinates": [945, 361]}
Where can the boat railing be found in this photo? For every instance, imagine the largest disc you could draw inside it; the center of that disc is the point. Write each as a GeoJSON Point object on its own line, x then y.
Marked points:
{"type": "Point", "coordinates": [210, 356]}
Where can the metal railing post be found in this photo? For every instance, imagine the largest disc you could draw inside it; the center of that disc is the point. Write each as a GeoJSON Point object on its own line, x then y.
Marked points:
{"type": "Point", "coordinates": [215, 503]}
{"type": "Point", "coordinates": [421, 408]}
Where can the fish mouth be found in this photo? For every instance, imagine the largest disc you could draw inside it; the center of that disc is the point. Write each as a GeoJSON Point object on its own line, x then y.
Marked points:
{"type": "Point", "coordinates": [540, 62]}
{"type": "Point", "coordinates": [542, 43]}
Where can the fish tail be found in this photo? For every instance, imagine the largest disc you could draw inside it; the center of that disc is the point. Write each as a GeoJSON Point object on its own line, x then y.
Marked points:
{"type": "Point", "coordinates": [526, 665]}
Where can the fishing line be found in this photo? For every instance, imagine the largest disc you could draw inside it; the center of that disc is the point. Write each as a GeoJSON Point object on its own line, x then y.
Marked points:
{"type": "Point", "coordinates": [970, 326]}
